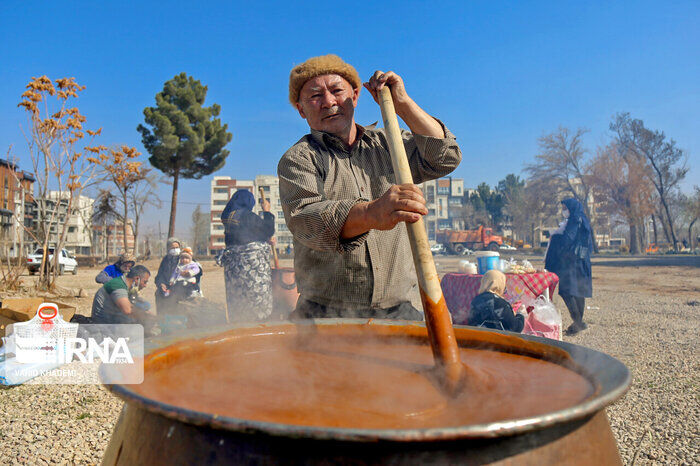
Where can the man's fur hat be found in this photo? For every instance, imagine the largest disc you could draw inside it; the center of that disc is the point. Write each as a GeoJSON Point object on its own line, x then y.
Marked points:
{"type": "Point", "coordinates": [317, 66]}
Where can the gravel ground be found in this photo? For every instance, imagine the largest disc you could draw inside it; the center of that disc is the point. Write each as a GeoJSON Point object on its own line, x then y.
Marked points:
{"type": "Point", "coordinates": [645, 313]}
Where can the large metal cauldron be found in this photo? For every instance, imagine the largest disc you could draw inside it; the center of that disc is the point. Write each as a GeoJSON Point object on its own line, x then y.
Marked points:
{"type": "Point", "coordinates": [152, 432]}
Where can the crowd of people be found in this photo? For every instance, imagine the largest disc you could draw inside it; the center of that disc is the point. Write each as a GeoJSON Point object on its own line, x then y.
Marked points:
{"type": "Point", "coordinates": [343, 207]}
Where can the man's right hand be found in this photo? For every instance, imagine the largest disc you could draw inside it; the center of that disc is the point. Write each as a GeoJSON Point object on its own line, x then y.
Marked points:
{"type": "Point", "coordinates": [265, 205]}
{"type": "Point", "coordinates": [400, 203]}
{"type": "Point", "coordinates": [163, 287]}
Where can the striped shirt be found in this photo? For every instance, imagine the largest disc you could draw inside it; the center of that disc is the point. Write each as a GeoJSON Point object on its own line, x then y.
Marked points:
{"type": "Point", "coordinates": [320, 181]}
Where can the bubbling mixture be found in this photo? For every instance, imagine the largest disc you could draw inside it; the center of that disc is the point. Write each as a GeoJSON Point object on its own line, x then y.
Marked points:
{"type": "Point", "coordinates": [344, 379]}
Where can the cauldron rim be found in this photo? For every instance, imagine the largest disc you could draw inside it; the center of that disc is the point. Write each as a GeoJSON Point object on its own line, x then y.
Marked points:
{"type": "Point", "coordinates": [611, 377]}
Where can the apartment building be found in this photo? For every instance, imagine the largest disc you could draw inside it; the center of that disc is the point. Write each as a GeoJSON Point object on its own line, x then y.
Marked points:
{"type": "Point", "coordinates": [17, 209]}
{"type": "Point", "coordinates": [223, 187]}
{"type": "Point", "coordinates": [79, 236]}
{"type": "Point", "coordinates": [444, 200]}
{"type": "Point", "coordinates": [108, 240]}
{"type": "Point", "coordinates": [271, 186]}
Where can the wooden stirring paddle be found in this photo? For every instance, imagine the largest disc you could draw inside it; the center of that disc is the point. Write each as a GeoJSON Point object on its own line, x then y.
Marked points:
{"type": "Point", "coordinates": [438, 321]}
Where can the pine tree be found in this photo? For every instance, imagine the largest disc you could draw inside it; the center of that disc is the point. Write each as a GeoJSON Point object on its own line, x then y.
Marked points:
{"type": "Point", "coordinates": [185, 139]}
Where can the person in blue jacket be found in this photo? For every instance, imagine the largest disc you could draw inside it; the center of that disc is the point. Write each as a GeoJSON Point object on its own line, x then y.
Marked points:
{"type": "Point", "coordinates": [125, 262]}
{"type": "Point", "coordinates": [569, 256]}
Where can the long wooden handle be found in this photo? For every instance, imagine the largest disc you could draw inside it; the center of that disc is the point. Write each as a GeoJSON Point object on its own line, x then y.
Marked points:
{"type": "Point", "coordinates": [437, 317]}
{"type": "Point", "coordinates": [274, 249]}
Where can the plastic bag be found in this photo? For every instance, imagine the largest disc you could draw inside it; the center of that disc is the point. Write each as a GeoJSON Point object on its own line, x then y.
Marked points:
{"type": "Point", "coordinates": [527, 266]}
{"type": "Point", "coordinates": [544, 320]}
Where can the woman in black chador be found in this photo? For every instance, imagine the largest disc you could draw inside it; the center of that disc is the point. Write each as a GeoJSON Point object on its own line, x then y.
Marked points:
{"type": "Point", "coordinates": [569, 256]}
{"type": "Point", "coordinates": [246, 259]}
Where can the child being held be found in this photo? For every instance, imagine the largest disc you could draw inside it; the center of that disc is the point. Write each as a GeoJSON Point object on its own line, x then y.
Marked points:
{"type": "Point", "coordinates": [489, 309]}
{"type": "Point", "coordinates": [185, 274]}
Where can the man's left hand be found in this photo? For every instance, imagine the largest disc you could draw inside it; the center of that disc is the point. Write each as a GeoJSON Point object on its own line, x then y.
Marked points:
{"type": "Point", "coordinates": [398, 91]}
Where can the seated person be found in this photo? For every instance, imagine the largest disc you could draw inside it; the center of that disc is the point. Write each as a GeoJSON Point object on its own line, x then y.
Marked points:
{"type": "Point", "coordinates": [489, 309]}
{"type": "Point", "coordinates": [184, 277]}
{"type": "Point", "coordinates": [124, 263]}
{"type": "Point", "coordinates": [112, 303]}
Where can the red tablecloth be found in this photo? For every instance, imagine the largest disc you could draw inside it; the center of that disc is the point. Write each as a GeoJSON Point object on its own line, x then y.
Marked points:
{"type": "Point", "coordinates": [459, 289]}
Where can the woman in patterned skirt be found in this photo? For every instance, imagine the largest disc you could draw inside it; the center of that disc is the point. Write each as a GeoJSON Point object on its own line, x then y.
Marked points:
{"type": "Point", "coordinates": [246, 259]}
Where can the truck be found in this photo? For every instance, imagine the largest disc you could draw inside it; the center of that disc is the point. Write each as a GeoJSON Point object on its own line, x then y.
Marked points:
{"type": "Point", "coordinates": [457, 241]}
{"type": "Point", "coordinates": [66, 262]}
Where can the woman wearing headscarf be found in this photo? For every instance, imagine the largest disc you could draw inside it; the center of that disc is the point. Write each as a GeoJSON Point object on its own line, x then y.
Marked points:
{"type": "Point", "coordinates": [125, 262]}
{"type": "Point", "coordinates": [489, 308]}
{"type": "Point", "coordinates": [569, 256]}
{"type": "Point", "coordinates": [246, 258]}
{"type": "Point", "coordinates": [164, 300]}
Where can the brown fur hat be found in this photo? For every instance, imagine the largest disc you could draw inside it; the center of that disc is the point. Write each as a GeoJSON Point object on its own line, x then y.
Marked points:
{"type": "Point", "coordinates": [317, 66]}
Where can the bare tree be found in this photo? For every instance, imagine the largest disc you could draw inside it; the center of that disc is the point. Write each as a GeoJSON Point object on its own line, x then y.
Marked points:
{"type": "Point", "coordinates": [55, 130]}
{"type": "Point", "coordinates": [123, 172]}
{"type": "Point", "coordinates": [622, 187]}
{"type": "Point", "coordinates": [562, 164]}
{"type": "Point", "coordinates": [692, 210]}
{"type": "Point", "coordinates": [537, 209]}
{"type": "Point", "coordinates": [142, 195]}
{"type": "Point", "coordinates": [666, 163]}
{"type": "Point", "coordinates": [104, 214]}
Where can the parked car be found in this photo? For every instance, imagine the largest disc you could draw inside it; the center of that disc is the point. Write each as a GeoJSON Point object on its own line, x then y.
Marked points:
{"type": "Point", "coordinates": [507, 247]}
{"type": "Point", "coordinates": [66, 262]}
{"type": "Point", "coordinates": [438, 249]}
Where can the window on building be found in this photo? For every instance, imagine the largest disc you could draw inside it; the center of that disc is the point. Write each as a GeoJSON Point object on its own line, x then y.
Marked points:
{"type": "Point", "coordinates": [220, 202]}
{"type": "Point", "coordinates": [282, 227]}
{"type": "Point", "coordinates": [72, 229]}
{"type": "Point", "coordinates": [221, 190]}
{"type": "Point", "coordinates": [431, 212]}
{"type": "Point", "coordinates": [444, 224]}
{"type": "Point", "coordinates": [280, 214]}
{"type": "Point", "coordinates": [443, 190]}
{"type": "Point", "coordinates": [431, 230]}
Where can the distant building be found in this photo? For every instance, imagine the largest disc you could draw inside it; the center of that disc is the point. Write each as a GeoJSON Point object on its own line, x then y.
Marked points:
{"type": "Point", "coordinates": [444, 199]}
{"type": "Point", "coordinates": [108, 240]}
{"type": "Point", "coordinates": [79, 229]}
{"type": "Point", "coordinates": [271, 187]}
{"type": "Point", "coordinates": [17, 210]}
{"type": "Point", "coordinates": [223, 187]}
{"type": "Point", "coordinates": [78, 238]}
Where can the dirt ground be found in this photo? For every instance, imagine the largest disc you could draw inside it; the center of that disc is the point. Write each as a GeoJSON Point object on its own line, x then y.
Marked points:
{"type": "Point", "coordinates": [645, 312]}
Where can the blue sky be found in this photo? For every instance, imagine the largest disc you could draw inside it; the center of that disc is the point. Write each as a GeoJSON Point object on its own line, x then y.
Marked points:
{"type": "Point", "coordinates": [499, 74]}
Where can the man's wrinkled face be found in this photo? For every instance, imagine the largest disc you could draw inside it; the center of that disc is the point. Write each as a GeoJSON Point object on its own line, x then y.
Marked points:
{"type": "Point", "coordinates": [328, 102]}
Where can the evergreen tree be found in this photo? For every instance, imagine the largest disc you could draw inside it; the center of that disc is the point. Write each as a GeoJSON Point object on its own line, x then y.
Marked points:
{"type": "Point", "coordinates": [185, 139]}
